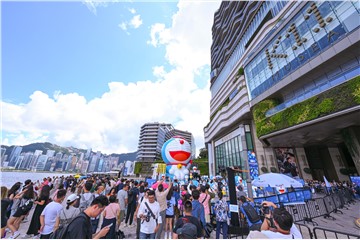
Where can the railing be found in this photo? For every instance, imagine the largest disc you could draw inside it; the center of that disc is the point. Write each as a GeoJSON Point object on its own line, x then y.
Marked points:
{"type": "Point", "coordinates": [330, 233]}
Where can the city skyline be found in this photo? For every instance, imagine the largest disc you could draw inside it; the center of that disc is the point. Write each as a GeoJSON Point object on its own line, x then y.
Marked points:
{"type": "Point", "coordinates": [80, 84]}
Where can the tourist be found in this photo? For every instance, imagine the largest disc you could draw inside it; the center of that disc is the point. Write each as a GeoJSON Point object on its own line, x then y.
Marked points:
{"type": "Point", "coordinates": [23, 209]}
{"type": "Point", "coordinates": [252, 216]}
{"type": "Point", "coordinates": [283, 222]}
{"type": "Point", "coordinates": [161, 199]}
{"type": "Point", "coordinates": [5, 203]}
{"type": "Point", "coordinates": [87, 197]}
{"type": "Point", "coordinates": [169, 216]}
{"type": "Point", "coordinates": [70, 212]}
{"type": "Point", "coordinates": [41, 202]}
{"type": "Point", "coordinates": [49, 217]}
{"type": "Point", "coordinates": [133, 194]}
{"type": "Point", "coordinates": [95, 221]}
{"type": "Point", "coordinates": [138, 220]}
{"type": "Point", "coordinates": [14, 195]}
{"type": "Point", "coordinates": [149, 213]}
{"type": "Point", "coordinates": [221, 208]}
{"type": "Point", "coordinates": [204, 199]}
{"type": "Point", "coordinates": [193, 228]}
{"type": "Point", "coordinates": [80, 227]}
{"type": "Point", "coordinates": [110, 214]}
{"type": "Point", "coordinates": [122, 197]}
{"type": "Point", "coordinates": [197, 208]}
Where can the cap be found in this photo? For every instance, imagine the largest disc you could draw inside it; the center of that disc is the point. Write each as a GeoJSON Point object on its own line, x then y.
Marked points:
{"type": "Point", "coordinates": [71, 198]}
{"type": "Point", "coordinates": [188, 231]}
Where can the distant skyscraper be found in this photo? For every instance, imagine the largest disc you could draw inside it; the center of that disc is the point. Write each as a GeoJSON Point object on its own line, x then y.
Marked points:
{"type": "Point", "coordinates": [50, 153]}
{"type": "Point", "coordinates": [13, 156]}
{"type": "Point", "coordinates": [40, 166]}
{"type": "Point", "coordinates": [88, 152]}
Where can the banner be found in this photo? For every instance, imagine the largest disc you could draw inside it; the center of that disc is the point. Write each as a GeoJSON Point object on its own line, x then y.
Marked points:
{"type": "Point", "coordinates": [253, 165]}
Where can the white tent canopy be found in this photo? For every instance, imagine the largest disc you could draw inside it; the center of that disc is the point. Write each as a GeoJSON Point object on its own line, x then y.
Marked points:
{"type": "Point", "coordinates": [275, 180]}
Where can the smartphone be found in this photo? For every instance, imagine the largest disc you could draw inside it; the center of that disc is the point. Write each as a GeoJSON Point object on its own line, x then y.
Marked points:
{"type": "Point", "coordinates": [109, 226]}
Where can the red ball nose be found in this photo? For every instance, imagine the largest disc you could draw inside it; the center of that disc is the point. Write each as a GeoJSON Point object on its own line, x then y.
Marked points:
{"type": "Point", "coordinates": [181, 141]}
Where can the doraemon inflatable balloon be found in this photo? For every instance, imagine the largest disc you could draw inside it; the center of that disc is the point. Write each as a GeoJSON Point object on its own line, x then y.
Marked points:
{"type": "Point", "coordinates": [176, 153]}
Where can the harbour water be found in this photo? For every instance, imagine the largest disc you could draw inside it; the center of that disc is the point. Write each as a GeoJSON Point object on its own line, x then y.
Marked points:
{"type": "Point", "coordinates": [9, 178]}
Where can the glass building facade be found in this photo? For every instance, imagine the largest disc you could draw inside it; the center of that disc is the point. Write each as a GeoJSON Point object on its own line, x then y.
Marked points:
{"type": "Point", "coordinates": [316, 27]}
{"type": "Point", "coordinates": [233, 152]}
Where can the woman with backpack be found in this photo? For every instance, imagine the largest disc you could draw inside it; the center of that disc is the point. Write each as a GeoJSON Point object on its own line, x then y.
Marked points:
{"type": "Point", "coordinates": [24, 208]}
{"type": "Point", "coordinates": [14, 195]}
{"type": "Point", "coordinates": [41, 202]}
{"type": "Point", "coordinates": [221, 209]}
{"type": "Point", "coordinates": [70, 212]}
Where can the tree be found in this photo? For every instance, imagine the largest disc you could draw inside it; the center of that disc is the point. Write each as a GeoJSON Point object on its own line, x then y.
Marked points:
{"type": "Point", "coordinates": [203, 153]}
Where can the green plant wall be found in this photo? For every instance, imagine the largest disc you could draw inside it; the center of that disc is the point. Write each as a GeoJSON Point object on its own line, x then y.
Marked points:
{"type": "Point", "coordinates": [344, 96]}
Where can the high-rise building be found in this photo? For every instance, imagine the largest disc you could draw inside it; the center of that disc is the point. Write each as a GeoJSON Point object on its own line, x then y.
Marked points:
{"type": "Point", "coordinates": [152, 138]}
{"type": "Point", "coordinates": [14, 155]}
{"type": "Point", "coordinates": [42, 160]}
{"type": "Point", "coordinates": [284, 77]}
{"type": "Point", "coordinates": [50, 153]}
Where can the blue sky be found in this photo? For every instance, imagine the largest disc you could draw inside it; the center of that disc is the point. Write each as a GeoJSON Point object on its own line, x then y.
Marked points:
{"type": "Point", "coordinates": [89, 75]}
{"type": "Point", "coordinates": [66, 47]}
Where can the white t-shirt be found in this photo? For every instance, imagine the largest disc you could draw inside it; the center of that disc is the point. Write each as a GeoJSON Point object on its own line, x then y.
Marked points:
{"type": "Point", "coordinates": [149, 227]}
{"type": "Point", "coordinates": [293, 232]}
{"type": "Point", "coordinates": [51, 212]}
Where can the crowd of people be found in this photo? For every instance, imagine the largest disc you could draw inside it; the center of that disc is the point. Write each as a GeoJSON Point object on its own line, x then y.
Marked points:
{"type": "Point", "coordinates": [102, 207]}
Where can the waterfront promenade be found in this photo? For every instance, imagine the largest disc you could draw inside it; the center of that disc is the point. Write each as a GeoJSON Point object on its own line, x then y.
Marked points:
{"type": "Point", "coordinates": [344, 223]}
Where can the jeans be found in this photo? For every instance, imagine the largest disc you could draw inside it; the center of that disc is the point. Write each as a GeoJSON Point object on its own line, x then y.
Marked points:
{"type": "Point", "coordinates": [147, 235]}
{"type": "Point", "coordinates": [159, 232]}
{"type": "Point", "coordinates": [224, 227]}
{"type": "Point", "coordinates": [130, 212]}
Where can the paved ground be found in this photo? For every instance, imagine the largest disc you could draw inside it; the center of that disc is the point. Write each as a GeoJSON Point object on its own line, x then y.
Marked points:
{"type": "Point", "coordinates": [345, 222]}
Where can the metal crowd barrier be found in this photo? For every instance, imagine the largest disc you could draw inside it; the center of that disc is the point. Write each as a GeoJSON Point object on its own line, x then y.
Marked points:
{"type": "Point", "coordinates": [330, 233]}
{"type": "Point", "coordinates": [349, 197]}
{"type": "Point", "coordinates": [304, 230]}
{"type": "Point", "coordinates": [337, 202]}
{"type": "Point", "coordinates": [316, 208]}
{"type": "Point", "coordinates": [299, 212]}
{"type": "Point", "coordinates": [329, 204]}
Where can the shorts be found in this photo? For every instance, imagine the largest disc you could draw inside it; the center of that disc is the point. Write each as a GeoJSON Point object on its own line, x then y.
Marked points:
{"type": "Point", "coordinates": [169, 216]}
{"type": "Point", "coordinates": [19, 212]}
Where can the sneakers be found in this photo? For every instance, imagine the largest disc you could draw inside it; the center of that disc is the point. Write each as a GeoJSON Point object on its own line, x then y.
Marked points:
{"type": "Point", "coordinates": [28, 235]}
{"type": "Point", "coordinates": [15, 235]}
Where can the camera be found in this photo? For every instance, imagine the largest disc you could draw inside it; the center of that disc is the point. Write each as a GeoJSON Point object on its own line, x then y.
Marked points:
{"type": "Point", "coordinates": [147, 217]}
{"type": "Point", "coordinates": [265, 210]}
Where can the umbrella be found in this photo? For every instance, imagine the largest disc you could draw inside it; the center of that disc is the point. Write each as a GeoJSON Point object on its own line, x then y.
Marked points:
{"type": "Point", "coordinates": [218, 176]}
{"type": "Point", "coordinates": [155, 185]}
{"type": "Point", "coordinates": [275, 180]}
{"type": "Point", "coordinates": [77, 176]}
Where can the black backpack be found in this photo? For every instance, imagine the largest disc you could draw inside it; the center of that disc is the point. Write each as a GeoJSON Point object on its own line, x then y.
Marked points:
{"type": "Point", "coordinates": [251, 213]}
{"type": "Point", "coordinates": [60, 233]}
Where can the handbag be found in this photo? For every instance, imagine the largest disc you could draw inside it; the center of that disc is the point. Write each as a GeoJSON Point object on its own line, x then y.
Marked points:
{"type": "Point", "coordinates": [26, 207]}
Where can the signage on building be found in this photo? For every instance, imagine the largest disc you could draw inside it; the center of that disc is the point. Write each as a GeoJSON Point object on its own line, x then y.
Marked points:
{"type": "Point", "coordinates": [311, 31]}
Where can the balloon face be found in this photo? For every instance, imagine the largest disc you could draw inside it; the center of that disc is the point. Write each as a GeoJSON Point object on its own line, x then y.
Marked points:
{"type": "Point", "coordinates": [176, 151]}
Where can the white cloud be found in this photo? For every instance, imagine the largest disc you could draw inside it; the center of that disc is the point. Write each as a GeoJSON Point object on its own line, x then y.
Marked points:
{"type": "Point", "coordinates": [93, 5]}
{"type": "Point", "coordinates": [136, 21]}
{"type": "Point", "coordinates": [111, 122]}
{"type": "Point", "coordinates": [132, 10]}
{"type": "Point", "coordinates": [123, 26]}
